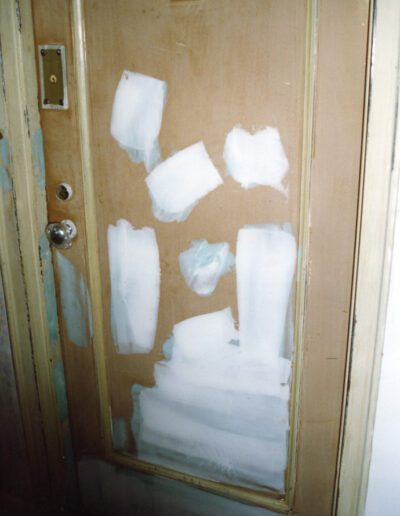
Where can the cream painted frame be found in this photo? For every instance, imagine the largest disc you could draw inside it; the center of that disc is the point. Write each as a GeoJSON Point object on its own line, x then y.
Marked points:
{"type": "Point", "coordinates": [20, 80]}
{"type": "Point", "coordinates": [379, 196]}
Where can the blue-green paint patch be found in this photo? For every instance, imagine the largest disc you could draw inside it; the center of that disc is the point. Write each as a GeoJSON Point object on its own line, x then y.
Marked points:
{"type": "Point", "coordinates": [38, 159]}
{"type": "Point", "coordinates": [5, 180]}
{"type": "Point", "coordinates": [203, 264]}
{"type": "Point", "coordinates": [60, 389]}
{"type": "Point", "coordinates": [168, 347]}
{"type": "Point", "coordinates": [120, 433]}
{"type": "Point", "coordinates": [49, 290]}
{"type": "Point", "coordinates": [137, 419]}
{"type": "Point", "coordinates": [75, 303]}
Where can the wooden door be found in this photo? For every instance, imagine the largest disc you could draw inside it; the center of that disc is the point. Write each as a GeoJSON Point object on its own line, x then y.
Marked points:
{"type": "Point", "coordinates": [272, 92]}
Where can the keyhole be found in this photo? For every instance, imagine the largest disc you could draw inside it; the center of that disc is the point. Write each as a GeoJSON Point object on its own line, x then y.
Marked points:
{"type": "Point", "coordinates": [64, 191]}
{"type": "Point", "coordinates": [53, 79]}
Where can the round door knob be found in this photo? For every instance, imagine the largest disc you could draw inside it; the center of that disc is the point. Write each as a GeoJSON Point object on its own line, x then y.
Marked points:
{"type": "Point", "coordinates": [61, 234]}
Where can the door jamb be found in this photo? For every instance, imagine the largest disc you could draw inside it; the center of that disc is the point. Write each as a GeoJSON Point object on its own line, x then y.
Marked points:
{"type": "Point", "coordinates": [377, 208]}
{"type": "Point", "coordinates": [25, 258]}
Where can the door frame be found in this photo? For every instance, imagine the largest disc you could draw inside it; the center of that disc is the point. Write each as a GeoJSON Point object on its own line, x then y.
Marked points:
{"type": "Point", "coordinates": [35, 297]}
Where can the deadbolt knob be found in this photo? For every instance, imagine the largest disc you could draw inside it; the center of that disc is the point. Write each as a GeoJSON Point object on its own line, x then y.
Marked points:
{"type": "Point", "coordinates": [61, 234]}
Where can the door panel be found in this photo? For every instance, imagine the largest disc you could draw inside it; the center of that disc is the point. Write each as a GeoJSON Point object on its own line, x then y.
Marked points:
{"type": "Point", "coordinates": [296, 66]}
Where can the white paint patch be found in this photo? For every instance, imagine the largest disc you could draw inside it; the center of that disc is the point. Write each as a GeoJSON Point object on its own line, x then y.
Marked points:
{"type": "Point", "coordinates": [256, 159]}
{"type": "Point", "coordinates": [265, 262]}
{"type": "Point", "coordinates": [137, 115]}
{"type": "Point", "coordinates": [216, 411]}
{"type": "Point", "coordinates": [135, 286]}
{"type": "Point", "coordinates": [203, 264]}
{"type": "Point", "coordinates": [177, 184]}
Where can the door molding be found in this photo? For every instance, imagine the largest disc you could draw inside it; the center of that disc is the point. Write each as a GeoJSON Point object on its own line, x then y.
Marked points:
{"type": "Point", "coordinates": [377, 207]}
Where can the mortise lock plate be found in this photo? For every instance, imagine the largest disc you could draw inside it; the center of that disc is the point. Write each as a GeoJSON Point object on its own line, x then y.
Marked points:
{"type": "Point", "coordinates": [53, 77]}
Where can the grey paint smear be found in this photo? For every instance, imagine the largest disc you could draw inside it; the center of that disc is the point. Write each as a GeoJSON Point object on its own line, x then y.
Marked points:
{"type": "Point", "coordinates": [203, 265]}
{"type": "Point", "coordinates": [5, 180]}
{"type": "Point", "coordinates": [75, 302]}
{"type": "Point", "coordinates": [107, 489]}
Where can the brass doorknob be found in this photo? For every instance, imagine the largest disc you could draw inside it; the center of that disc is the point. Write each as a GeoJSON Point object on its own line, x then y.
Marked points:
{"type": "Point", "coordinates": [61, 234]}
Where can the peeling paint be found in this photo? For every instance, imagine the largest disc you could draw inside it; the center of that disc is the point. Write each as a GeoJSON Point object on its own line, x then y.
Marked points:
{"type": "Point", "coordinates": [5, 180]}
{"type": "Point", "coordinates": [18, 14]}
{"type": "Point", "coordinates": [75, 302]}
{"type": "Point", "coordinates": [38, 159]}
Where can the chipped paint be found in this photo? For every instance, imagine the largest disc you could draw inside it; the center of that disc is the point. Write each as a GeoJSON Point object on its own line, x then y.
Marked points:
{"type": "Point", "coordinates": [75, 302]}
{"type": "Point", "coordinates": [38, 158]}
{"type": "Point", "coordinates": [5, 180]}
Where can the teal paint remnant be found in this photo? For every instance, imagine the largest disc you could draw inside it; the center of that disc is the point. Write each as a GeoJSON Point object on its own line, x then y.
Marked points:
{"type": "Point", "coordinates": [120, 433]}
{"type": "Point", "coordinates": [38, 159]}
{"type": "Point", "coordinates": [137, 419]}
{"type": "Point", "coordinates": [49, 290]}
{"type": "Point", "coordinates": [60, 389]}
{"type": "Point", "coordinates": [5, 180]}
{"type": "Point", "coordinates": [75, 303]}
{"type": "Point", "coordinates": [168, 347]}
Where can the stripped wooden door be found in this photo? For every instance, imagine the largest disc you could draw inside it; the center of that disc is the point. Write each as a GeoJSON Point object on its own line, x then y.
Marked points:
{"type": "Point", "coordinates": [213, 149]}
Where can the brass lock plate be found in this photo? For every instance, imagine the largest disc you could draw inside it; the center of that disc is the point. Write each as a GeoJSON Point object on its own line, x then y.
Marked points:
{"type": "Point", "coordinates": [53, 77]}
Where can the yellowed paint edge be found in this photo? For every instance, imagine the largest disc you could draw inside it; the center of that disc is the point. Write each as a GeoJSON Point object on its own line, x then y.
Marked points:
{"type": "Point", "coordinates": [303, 261]}
{"type": "Point", "coordinates": [82, 93]}
{"type": "Point", "coordinates": [23, 118]}
{"type": "Point", "coordinates": [380, 192]}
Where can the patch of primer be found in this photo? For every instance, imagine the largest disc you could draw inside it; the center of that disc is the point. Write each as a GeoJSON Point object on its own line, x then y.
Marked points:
{"type": "Point", "coordinates": [75, 302]}
{"type": "Point", "coordinates": [217, 410]}
{"type": "Point", "coordinates": [120, 433]}
{"type": "Point", "coordinates": [60, 389]}
{"type": "Point", "coordinates": [177, 184]}
{"type": "Point", "coordinates": [5, 180]}
{"type": "Point", "coordinates": [265, 263]}
{"type": "Point", "coordinates": [137, 115]}
{"type": "Point", "coordinates": [49, 290]}
{"type": "Point", "coordinates": [256, 159]}
{"type": "Point", "coordinates": [135, 286]}
{"type": "Point", "coordinates": [38, 159]}
{"type": "Point", "coordinates": [203, 264]}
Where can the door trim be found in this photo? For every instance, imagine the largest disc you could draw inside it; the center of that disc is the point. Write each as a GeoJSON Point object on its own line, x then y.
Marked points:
{"type": "Point", "coordinates": [378, 199]}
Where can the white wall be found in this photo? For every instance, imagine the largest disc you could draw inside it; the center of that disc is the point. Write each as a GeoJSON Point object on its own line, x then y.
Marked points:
{"type": "Point", "coordinates": [383, 497]}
